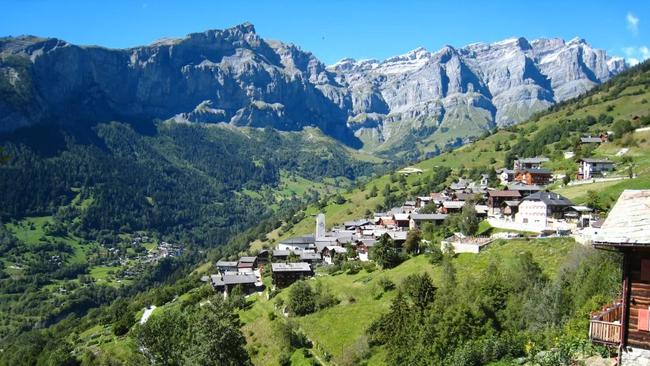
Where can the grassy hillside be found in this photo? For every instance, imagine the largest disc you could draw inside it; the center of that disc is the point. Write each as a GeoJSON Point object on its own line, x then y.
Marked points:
{"type": "Point", "coordinates": [335, 330]}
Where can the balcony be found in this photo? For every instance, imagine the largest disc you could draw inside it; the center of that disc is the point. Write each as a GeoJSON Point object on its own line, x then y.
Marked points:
{"type": "Point", "coordinates": [605, 325]}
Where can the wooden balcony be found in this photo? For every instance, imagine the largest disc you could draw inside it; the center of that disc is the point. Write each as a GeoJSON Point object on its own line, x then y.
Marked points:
{"type": "Point", "coordinates": [605, 326]}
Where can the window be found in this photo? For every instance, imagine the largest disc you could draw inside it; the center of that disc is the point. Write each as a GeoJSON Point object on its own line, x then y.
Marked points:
{"type": "Point", "coordinates": [645, 270]}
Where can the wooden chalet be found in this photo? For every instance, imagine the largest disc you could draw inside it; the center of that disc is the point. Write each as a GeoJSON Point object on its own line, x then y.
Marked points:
{"type": "Point", "coordinates": [497, 198]}
{"type": "Point", "coordinates": [626, 322]}
{"type": "Point", "coordinates": [284, 274]}
{"type": "Point", "coordinates": [533, 176]}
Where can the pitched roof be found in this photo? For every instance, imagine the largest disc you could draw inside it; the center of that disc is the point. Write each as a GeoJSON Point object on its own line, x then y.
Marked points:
{"type": "Point", "coordinates": [549, 198]}
{"type": "Point", "coordinates": [401, 217]}
{"type": "Point", "coordinates": [397, 235]}
{"type": "Point", "coordinates": [506, 193]}
{"type": "Point", "coordinates": [523, 187]}
{"type": "Point", "coordinates": [291, 267]}
{"type": "Point", "coordinates": [535, 170]}
{"type": "Point", "coordinates": [247, 259]}
{"type": "Point", "coordinates": [535, 160]}
{"type": "Point", "coordinates": [233, 279]}
{"type": "Point", "coordinates": [597, 161]}
{"type": "Point", "coordinates": [309, 256]}
{"type": "Point", "coordinates": [306, 239]}
{"type": "Point", "coordinates": [453, 204]}
{"type": "Point", "coordinates": [590, 139]}
{"type": "Point", "coordinates": [226, 264]}
{"type": "Point", "coordinates": [629, 220]}
{"type": "Point", "coordinates": [428, 217]}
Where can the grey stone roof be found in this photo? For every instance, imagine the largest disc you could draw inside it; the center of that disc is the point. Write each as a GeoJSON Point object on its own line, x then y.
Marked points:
{"type": "Point", "coordinates": [233, 279]}
{"type": "Point", "coordinates": [597, 161]}
{"type": "Point", "coordinates": [591, 139]}
{"type": "Point", "coordinates": [291, 267]}
{"type": "Point", "coordinates": [247, 259]}
{"type": "Point", "coordinates": [629, 220]}
{"type": "Point", "coordinates": [549, 198]}
{"type": "Point", "coordinates": [428, 217]}
{"type": "Point", "coordinates": [524, 187]}
{"type": "Point", "coordinates": [226, 264]}
{"type": "Point", "coordinates": [309, 256]}
{"type": "Point", "coordinates": [306, 239]}
{"type": "Point", "coordinates": [535, 160]}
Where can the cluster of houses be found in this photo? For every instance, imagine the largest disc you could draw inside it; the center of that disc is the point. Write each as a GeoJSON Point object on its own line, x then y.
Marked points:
{"type": "Point", "coordinates": [521, 205]}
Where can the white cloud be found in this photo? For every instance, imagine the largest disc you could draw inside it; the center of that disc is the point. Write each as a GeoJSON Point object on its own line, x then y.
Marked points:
{"type": "Point", "coordinates": [632, 23]}
{"type": "Point", "coordinates": [634, 55]}
{"type": "Point", "coordinates": [645, 52]}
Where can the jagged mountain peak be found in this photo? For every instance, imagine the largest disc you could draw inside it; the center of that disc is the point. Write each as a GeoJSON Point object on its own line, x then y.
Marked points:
{"type": "Point", "coordinates": [234, 76]}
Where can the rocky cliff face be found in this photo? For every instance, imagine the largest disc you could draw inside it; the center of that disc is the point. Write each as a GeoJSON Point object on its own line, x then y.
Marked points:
{"type": "Point", "coordinates": [481, 84]}
{"type": "Point", "coordinates": [234, 76]}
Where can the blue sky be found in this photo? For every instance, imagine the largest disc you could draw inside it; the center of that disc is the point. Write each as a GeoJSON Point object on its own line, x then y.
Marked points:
{"type": "Point", "coordinates": [336, 29]}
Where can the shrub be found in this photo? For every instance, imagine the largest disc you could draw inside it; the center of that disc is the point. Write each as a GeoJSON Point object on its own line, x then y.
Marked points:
{"type": "Point", "coordinates": [386, 284]}
{"type": "Point", "coordinates": [301, 299]}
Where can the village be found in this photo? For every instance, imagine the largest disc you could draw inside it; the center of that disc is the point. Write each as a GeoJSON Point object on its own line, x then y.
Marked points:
{"type": "Point", "coordinates": [516, 203]}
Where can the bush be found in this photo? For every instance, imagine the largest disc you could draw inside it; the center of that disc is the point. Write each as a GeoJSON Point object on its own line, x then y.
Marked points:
{"type": "Point", "coordinates": [386, 284]}
{"type": "Point", "coordinates": [301, 299]}
{"type": "Point", "coordinates": [369, 266]}
{"type": "Point", "coordinates": [353, 267]}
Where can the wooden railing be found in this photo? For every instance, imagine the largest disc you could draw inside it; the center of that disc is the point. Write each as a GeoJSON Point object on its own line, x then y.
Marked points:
{"type": "Point", "coordinates": [604, 332]}
{"type": "Point", "coordinates": [605, 326]}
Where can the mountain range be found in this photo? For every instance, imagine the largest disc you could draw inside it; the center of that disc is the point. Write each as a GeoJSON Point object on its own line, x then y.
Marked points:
{"type": "Point", "coordinates": [416, 102]}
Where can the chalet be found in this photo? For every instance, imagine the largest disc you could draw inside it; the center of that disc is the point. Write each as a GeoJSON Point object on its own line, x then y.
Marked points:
{"type": "Point", "coordinates": [387, 221]}
{"type": "Point", "coordinates": [461, 185]}
{"type": "Point", "coordinates": [485, 180]}
{"type": "Point", "coordinates": [506, 175]}
{"type": "Point", "coordinates": [481, 211]}
{"type": "Point", "coordinates": [284, 274]}
{"type": "Point", "coordinates": [310, 257]}
{"type": "Point", "coordinates": [465, 244]}
{"type": "Point", "coordinates": [330, 252]}
{"type": "Point", "coordinates": [402, 220]}
{"type": "Point", "coordinates": [418, 219]}
{"type": "Point", "coordinates": [449, 207]}
{"type": "Point", "coordinates": [496, 199]}
{"type": "Point", "coordinates": [626, 322]}
{"type": "Point", "coordinates": [603, 137]}
{"type": "Point", "coordinates": [423, 201]}
{"type": "Point", "coordinates": [589, 168]}
{"type": "Point", "coordinates": [581, 216]}
{"type": "Point", "coordinates": [247, 263]}
{"type": "Point", "coordinates": [439, 197]}
{"type": "Point", "coordinates": [533, 176]}
{"type": "Point", "coordinates": [226, 266]}
{"type": "Point", "coordinates": [539, 210]}
{"type": "Point", "coordinates": [510, 208]}
{"type": "Point", "coordinates": [399, 237]}
{"type": "Point", "coordinates": [356, 224]}
{"type": "Point", "coordinates": [524, 190]}
{"type": "Point", "coordinates": [298, 243]}
{"type": "Point", "coordinates": [530, 163]}
{"type": "Point", "coordinates": [227, 281]}
{"type": "Point", "coordinates": [363, 247]}
{"type": "Point", "coordinates": [281, 255]}
{"type": "Point", "coordinates": [462, 196]}
{"type": "Point", "coordinates": [324, 241]}
{"type": "Point", "coordinates": [264, 256]}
